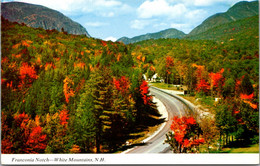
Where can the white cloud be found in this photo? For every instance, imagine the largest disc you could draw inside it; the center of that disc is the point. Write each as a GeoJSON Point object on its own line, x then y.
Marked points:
{"type": "Point", "coordinates": [107, 14]}
{"type": "Point", "coordinates": [110, 38]}
{"type": "Point", "coordinates": [80, 6]}
{"type": "Point", "coordinates": [207, 2]}
{"type": "Point", "coordinates": [157, 8]}
{"type": "Point", "coordinates": [195, 17]}
{"type": "Point", "coordinates": [190, 20]}
{"type": "Point", "coordinates": [106, 3]}
{"type": "Point", "coordinates": [178, 25]}
{"type": "Point", "coordinates": [140, 24]}
{"type": "Point", "coordinates": [153, 8]}
{"type": "Point", "coordinates": [61, 5]}
{"type": "Point", "coordinates": [185, 27]}
{"type": "Point", "coordinates": [95, 24]}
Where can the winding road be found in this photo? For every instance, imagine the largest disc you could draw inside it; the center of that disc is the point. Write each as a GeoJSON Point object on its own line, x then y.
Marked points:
{"type": "Point", "coordinates": [175, 108]}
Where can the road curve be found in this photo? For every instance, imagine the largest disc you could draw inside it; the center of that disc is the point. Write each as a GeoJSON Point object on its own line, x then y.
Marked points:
{"type": "Point", "coordinates": [175, 108]}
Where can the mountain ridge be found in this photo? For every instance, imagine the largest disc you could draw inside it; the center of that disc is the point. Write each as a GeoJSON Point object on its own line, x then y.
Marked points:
{"type": "Point", "coordinates": [38, 16]}
{"type": "Point", "coordinates": [167, 33]}
{"type": "Point", "coordinates": [246, 9]}
{"type": "Point", "coordinates": [228, 31]}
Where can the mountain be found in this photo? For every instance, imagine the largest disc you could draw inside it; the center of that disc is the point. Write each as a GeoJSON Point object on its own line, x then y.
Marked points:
{"type": "Point", "coordinates": [229, 31]}
{"type": "Point", "coordinates": [39, 16]}
{"type": "Point", "coordinates": [168, 33]}
{"type": "Point", "coordinates": [239, 11]}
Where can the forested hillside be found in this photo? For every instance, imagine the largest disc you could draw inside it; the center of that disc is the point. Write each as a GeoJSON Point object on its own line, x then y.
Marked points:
{"type": "Point", "coordinates": [228, 31]}
{"type": "Point", "coordinates": [68, 94]}
{"type": "Point", "coordinates": [239, 11]}
{"type": "Point", "coordinates": [227, 68]}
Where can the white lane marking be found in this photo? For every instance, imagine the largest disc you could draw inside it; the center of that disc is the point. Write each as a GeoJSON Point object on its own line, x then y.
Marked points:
{"type": "Point", "coordinates": [170, 98]}
{"type": "Point", "coordinates": [162, 109]}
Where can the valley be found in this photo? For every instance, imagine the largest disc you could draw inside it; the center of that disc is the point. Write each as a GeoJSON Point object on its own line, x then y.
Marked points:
{"type": "Point", "coordinates": [66, 92]}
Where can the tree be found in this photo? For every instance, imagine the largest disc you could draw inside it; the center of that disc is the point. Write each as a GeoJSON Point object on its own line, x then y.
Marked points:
{"type": "Point", "coordinates": [68, 91]}
{"type": "Point", "coordinates": [84, 124]}
{"type": "Point", "coordinates": [246, 86]}
{"type": "Point", "coordinates": [184, 135]}
{"type": "Point", "coordinates": [203, 86]}
{"type": "Point", "coordinates": [209, 129]}
{"type": "Point", "coordinates": [217, 81]}
{"type": "Point", "coordinates": [124, 113]}
{"type": "Point", "coordinates": [145, 93]}
{"type": "Point", "coordinates": [56, 129]}
{"type": "Point", "coordinates": [27, 75]}
{"type": "Point", "coordinates": [26, 136]}
{"type": "Point", "coordinates": [225, 121]}
{"type": "Point", "coordinates": [168, 65]}
{"type": "Point", "coordinates": [229, 88]}
{"type": "Point", "coordinates": [99, 89]}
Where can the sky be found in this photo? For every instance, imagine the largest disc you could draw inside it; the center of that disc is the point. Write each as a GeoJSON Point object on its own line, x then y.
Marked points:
{"type": "Point", "coordinates": [113, 19]}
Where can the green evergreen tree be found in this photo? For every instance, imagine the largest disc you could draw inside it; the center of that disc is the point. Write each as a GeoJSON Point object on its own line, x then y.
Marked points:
{"type": "Point", "coordinates": [246, 86]}
{"type": "Point", "coordinates": [84, 124]}
{"type": "Point", "coordinates": [99, 89]}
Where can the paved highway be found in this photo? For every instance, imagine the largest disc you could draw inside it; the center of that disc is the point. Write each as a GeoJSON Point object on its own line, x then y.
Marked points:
{"type": "Point", "coordinates": [155, 144]}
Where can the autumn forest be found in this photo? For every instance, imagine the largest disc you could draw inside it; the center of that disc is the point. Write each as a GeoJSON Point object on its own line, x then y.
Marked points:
{"type": "Point", "coordinates": [64, 93]}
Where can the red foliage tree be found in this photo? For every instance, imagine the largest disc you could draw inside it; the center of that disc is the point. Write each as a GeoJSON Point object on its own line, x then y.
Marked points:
{"type": "Point", "coordinates": [36, 141]}
{"type": "Point", "coordinates": [144, 92]}
{"type": "Point", "coordinates": [203, 86]}
{"type": "Point", "coordinates": [169, 62]}
{"type": "Point", "coordinates": [103, 43]}
{"type": "Point", "coordinates": [217, 79]}
{"type": "Point", "coordinates": [122, 84]}
{"type": "Point", "coordinates": [25, 137]}
{"type": "Point", "coordinates": [184, 135]}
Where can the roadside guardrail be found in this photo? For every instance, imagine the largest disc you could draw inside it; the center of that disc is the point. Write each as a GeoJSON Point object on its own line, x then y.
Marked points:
{"type": "Point", "coordinates": [184, 101]}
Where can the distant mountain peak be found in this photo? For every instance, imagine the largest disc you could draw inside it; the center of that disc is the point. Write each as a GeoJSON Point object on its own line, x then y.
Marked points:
{"type": "Point", "coordinates": [168, 33]}
{"type": "Point", "coordinates": [38, 16]}
{"type": "Point", "coordinates": [238, 11]}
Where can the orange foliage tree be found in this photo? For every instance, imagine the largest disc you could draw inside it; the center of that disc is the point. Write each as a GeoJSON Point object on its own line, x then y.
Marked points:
{"type": "Point", "coordinates": [68, 91]}
{"type": "Point", "coordinates": [184, 136]}
{"type": "Point", "coordinates": [27, 74]}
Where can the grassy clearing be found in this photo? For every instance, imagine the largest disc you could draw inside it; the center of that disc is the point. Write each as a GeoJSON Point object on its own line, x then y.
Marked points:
{"type": "Point", "coordinates": [203, 103]}
{"type": "Point", "coordinates": [169, 86]}
{"type": "Point", "coordinates": [251, 149]}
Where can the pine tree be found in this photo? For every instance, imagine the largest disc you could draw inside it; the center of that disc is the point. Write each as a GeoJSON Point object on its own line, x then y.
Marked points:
{"type": "Point", "coordinates": [83, 125]}
{"type": "Point", "coordinates": [99, 89]}
{"type": "Point", "coordinates": [246, 86]}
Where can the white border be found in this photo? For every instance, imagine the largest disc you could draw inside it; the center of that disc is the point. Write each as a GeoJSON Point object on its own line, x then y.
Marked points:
{"type": "Point", "coordinates": [49, 159]}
